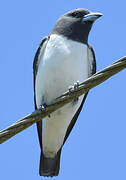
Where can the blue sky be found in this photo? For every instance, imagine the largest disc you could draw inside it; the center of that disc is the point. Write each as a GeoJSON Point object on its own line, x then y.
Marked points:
{"type": "Point", "coordinates": [96, 148]}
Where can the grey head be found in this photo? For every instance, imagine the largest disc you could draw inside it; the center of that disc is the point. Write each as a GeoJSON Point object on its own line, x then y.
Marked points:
{"type": "Point", "coordinates": [76, 24]}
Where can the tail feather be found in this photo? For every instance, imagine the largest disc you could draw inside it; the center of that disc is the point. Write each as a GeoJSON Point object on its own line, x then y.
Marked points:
{"type": "Point", "coordinates": [49, 166]}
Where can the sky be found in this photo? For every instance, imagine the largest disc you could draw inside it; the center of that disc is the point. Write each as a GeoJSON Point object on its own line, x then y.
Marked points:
{"type": "Point", "coordinates": [96, 148]}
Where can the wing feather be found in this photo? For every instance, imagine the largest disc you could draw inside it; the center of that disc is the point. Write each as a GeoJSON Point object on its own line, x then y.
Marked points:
{"type": "Point", "coordinates": [36, 62]}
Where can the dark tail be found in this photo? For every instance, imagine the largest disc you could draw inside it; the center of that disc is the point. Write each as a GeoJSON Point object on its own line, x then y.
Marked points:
{"type": "Point", "coordinates": [49, 166]}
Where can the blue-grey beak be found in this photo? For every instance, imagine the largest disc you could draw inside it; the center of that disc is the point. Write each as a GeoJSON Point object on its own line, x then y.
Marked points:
{"type": "Point", "coordinates": [92, 16]}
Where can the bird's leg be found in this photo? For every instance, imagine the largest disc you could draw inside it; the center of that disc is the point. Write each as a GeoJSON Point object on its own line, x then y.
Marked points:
{"type": "Point", "coordinates": [43, 108]}
{"type": "Point", "coordinates": [70, 88]}
{"type": "Point", "coordinates": [73, 88]}
{"type": "Point", "coordinates": [76, 85]}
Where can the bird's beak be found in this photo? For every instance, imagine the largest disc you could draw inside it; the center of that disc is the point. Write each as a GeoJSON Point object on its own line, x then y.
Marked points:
{"type": "Point", "coordinates": [92, 16]}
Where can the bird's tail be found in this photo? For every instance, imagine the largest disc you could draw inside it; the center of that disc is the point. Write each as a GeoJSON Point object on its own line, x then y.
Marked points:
{"type": "Point", "coordinates": [49, 166]}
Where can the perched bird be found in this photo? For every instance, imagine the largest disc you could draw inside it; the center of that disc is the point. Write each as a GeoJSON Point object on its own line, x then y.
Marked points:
{"type": "Point", "coordinates": [62, 59]}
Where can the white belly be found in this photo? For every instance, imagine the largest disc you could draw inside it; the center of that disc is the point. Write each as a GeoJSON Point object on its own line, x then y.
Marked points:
{"type": "Point", "coordinates": [57, 71]}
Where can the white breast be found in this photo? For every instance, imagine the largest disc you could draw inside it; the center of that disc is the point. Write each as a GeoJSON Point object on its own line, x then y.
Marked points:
{"type": "Point", "coordinates": [63, 63]}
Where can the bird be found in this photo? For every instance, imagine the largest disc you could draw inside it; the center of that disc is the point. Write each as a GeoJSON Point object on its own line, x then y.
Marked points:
{"type": "Point", "coordinates": [63, 59]}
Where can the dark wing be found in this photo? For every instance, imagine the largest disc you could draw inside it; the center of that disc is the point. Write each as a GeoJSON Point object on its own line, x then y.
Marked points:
{"type": "Point", "coordinates": [91, 60]}
{"type": "Point", "coordinates": [35, 70]}
{"type": "Point", "coordinates": [92, 70]}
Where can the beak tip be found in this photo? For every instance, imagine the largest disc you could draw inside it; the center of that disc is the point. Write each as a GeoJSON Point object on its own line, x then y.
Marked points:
{"type": "Point", "coordinates": [92, 16]}
{"type": "Point", "coordinates": [100, 14]}
{"type": "Point", "coordinates": [97, 15]}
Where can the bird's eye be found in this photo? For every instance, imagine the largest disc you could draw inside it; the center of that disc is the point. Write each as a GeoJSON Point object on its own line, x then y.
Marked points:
{"type": "Point", "coordinates": [76, 15]}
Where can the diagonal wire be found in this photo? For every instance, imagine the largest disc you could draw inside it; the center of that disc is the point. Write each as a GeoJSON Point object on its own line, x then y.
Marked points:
{"type": "Point", "coordinates": [65, 98]}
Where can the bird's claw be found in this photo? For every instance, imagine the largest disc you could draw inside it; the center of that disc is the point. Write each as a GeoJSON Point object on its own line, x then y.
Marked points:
{"type": "Point", "coordinates": [71, 88]}
{"type": "Point", "coordinates": [43, 108]}
{"type": "Point", "coordinates": [76, 85]}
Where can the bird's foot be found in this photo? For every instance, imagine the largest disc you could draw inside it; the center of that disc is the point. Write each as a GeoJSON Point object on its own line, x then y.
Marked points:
{"type": "Point", "coordinates": [76, 85]}
{"type": "Point", "coordinates": [43, 108]}
{"type": "Point", "coordinates": [70, 88]}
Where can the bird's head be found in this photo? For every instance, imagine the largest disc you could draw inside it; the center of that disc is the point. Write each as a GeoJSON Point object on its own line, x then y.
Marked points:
{"type": "Point", "coordinates": [76, 24]}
